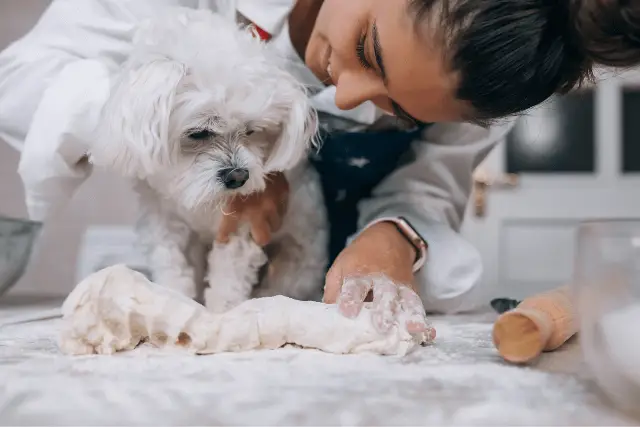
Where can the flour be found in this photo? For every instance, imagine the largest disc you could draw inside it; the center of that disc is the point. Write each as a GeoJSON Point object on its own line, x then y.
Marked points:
{"type": "Point", "coordinates": [117, 308]}
{"type": "Point", "coordinates": [620, 333]}
{"type": "Point", "coordinates": [458, 381]}
{"type": "Point", "coordinates": [615, 356]}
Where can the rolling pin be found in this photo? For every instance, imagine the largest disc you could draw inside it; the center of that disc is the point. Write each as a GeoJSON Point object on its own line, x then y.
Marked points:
{"type": "Point", "coordinates": [539, 323]}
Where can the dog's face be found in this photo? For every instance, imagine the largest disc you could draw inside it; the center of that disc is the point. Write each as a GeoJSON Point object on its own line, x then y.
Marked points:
{"type": "Point", "coordinates": [204, 110]}
{"type": "Point", "coordinates": [230, 128]}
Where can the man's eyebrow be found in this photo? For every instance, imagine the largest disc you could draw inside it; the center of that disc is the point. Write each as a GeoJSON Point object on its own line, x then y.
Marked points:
{"type": "Point", "coordinates": [377, 51]}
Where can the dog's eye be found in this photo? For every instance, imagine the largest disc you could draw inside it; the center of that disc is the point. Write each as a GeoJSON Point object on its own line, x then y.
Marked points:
{"type": "Point", "coordinates": [250, 132]}
{"type": "Point", "coordinates": [200, 134]}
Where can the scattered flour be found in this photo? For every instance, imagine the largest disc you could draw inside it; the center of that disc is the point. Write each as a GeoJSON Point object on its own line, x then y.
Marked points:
{"type": "Point", "coordinates": [459, 380]}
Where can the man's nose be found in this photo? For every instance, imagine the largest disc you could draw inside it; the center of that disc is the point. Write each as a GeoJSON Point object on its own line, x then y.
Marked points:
{"type": "Point", "coordinates": [354, 88]}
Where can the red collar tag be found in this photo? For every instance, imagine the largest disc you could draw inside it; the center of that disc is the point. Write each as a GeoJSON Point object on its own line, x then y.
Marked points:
{"type": "Point", "coordinates": [260, 33]}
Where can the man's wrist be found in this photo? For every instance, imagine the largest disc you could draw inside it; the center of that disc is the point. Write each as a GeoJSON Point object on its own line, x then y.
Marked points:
{"type": "Point", "coordinates": [402, 231]}
{"type": "Point", "coordinates": [397, 240]}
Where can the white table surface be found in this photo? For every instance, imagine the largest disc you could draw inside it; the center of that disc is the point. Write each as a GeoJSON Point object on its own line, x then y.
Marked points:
{"type": "Point", "coordinates": [460, 380]}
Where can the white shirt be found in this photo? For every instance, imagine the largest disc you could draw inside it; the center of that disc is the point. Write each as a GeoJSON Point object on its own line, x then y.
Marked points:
{"type": "Point", "coordinates": [54, 81]}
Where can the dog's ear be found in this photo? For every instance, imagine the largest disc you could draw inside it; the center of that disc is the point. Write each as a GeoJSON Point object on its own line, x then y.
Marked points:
{"type": "Point", "coordinates": [134, 135]}
{"type": "Point", "coordinates": [298, 133]}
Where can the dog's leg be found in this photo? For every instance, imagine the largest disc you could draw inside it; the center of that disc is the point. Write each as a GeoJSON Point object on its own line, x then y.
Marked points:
{"type": "Point", "coordinates": [165, 239]}
{"type": "Point", "coordinates": [233, 271]}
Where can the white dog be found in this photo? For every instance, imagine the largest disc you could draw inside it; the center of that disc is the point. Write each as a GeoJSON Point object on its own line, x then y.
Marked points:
{"type": "Point", "coordinates": [202, 111]}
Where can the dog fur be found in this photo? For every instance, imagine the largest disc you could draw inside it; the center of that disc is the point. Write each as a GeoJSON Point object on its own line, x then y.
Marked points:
{"type": "Point", "coordinates": [197, 97]}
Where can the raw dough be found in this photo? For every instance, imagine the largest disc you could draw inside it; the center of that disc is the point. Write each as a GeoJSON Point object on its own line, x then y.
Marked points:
{"type": "Point", "coordinates": [116, 308]}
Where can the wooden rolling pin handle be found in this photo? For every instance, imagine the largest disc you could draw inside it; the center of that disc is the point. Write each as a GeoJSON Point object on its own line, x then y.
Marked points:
{"type": "Point", "coordinates": [521, 335]}
{"type": "Point", "coordinates": [540, 323]}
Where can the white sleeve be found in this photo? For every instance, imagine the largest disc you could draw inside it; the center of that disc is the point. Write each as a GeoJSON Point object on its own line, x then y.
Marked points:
{"type": "Point", "coordinates": [431, 192]}
{"type": "Point", "coordinates": [60, 135]}
{"type": "Point", "coordinates": [53, 84]}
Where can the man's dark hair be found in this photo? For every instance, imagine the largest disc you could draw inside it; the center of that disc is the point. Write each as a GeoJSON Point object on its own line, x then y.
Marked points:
{"type": "Point", "coordinates": [510, 55]}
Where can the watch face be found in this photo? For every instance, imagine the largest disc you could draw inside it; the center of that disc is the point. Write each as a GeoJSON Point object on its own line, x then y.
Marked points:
{"type": "Point", "coordinates": [412, 234]}
{"type": "Point", "coordinates": [416, 241]}
{"type": "Point", "coordinates": [407, 224]}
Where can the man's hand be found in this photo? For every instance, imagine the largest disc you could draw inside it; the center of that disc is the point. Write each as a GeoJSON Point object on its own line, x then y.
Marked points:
{"type": "Point", "coordinates": [378, 262]}
{"type": "Point", "coordinates": [264, 211]}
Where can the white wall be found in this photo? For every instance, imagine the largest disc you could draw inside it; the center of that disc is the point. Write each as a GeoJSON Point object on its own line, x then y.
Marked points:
{"type": "Point", "coordinates": [102, 200]}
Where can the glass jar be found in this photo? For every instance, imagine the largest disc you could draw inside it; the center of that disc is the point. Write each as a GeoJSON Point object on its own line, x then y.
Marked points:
{"type": "Point", "coordinates": [606, 286]}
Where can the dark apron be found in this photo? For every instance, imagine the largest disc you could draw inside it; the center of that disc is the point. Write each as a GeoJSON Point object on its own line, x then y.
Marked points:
{"type": "Point", "coordinates": [351, 165]}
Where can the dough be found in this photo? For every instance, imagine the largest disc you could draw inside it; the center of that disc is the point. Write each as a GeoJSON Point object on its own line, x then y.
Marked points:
{"type": "Point", "coordinates": [116, 308]}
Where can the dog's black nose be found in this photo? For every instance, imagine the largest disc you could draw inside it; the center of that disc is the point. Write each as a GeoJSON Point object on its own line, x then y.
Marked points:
{"type": "Point", "coordinates": [234, 178]}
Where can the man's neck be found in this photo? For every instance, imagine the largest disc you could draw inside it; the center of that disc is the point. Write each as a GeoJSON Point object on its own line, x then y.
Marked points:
{"type": "Point", "coordinates": [301, 22]}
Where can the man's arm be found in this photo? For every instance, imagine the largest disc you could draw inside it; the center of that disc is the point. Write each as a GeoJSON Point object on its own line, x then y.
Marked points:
{"type": "Point", "coordinates": [431, 194]}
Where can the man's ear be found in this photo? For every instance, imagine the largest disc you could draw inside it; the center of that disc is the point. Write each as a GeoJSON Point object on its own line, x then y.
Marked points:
{"type": "Point", "coordinates": [134, 132]}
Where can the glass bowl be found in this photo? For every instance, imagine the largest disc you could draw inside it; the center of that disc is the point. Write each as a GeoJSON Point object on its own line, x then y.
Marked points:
{"type": "Point", "coordinates": [606, 288]}
{"type": "Point", "coordinates": [17, 237]}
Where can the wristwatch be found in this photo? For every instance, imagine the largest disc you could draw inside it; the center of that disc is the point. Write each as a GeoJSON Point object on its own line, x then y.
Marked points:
{"type": "Point", "coordinates": [412, 236]}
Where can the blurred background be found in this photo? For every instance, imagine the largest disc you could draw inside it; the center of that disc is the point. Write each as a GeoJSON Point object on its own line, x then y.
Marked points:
{"type": "Point", "coordinates": [572, 159]}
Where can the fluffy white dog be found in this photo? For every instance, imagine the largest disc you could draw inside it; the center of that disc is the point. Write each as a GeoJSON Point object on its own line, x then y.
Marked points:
{"type": "Point", "coordinates": [202, 111]}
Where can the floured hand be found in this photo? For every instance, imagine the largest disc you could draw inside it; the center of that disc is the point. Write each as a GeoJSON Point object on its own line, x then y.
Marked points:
{"type": "Point", "coordinates": [390, 302]}
{"type": "Point", "coordinates": [378, 262]}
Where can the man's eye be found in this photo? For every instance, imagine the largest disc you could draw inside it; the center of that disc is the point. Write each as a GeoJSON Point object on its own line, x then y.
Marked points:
{"type": "Point", "coordinates": [360, 52]}
{"type": "Point", "coordinates": [200, 134]}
